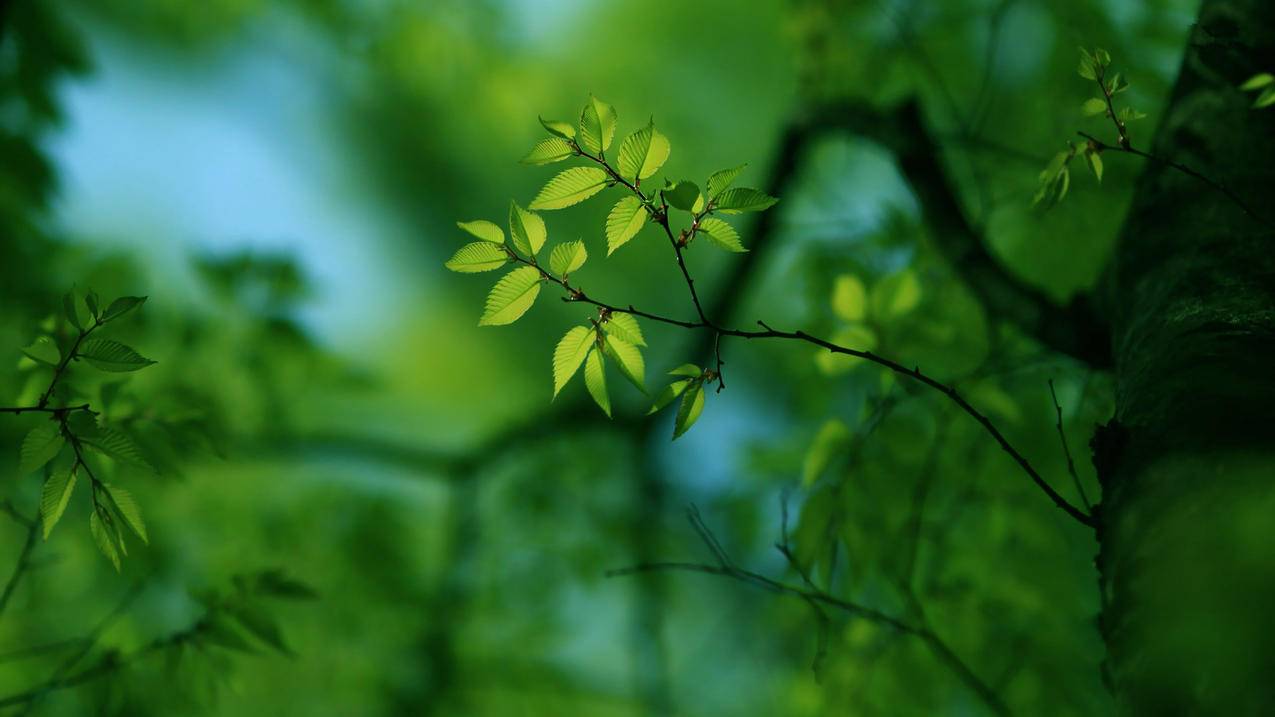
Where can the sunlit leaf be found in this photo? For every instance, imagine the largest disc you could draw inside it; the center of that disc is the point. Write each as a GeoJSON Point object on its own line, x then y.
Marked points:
{"type": "Point", "coordinates": [721, 180]}
{"type": "Point", "coordinates": [567, 257]}
{"type": "Point", "coordinates": [597, 126]}
{"type": "Point", "coordinates": [485, 230]}
{"type": "Point", "coordinates": [857, 336]}
{"type": "Point", "coordinates": [1258, 81]}
{"type": "Point", "coordinates": [1266, 99]}
{"type": "Point", "coordinates": [849, 298]}
{"type": "Point", "coordinates": [40, 446]}
{"type": "Point", "coordinates": [624, 326]}
{"type": "Point", "coordinates": [565, 130]}
{"type": "Point", "coordinates": [511, 297]}
{"type": "Point", "coordinates": [477, 256]}
{"type": "Point", "coordinates": [721, 234]}
{"type": "Point", "coordinates": [526, 230]}
{"type": "Point", "coordinates": [1094, 106]}
{"type": "Point", "coordinates": [690, 409]}
{"type": "Point", "coordinates": [743, 199]}
{"type": "Point", "coordinates": [55, 496]}
{"type": "Point", "coordinates": [629, 359]}
{"type": "Point", "coordinates": [569, 187]}
{"type": "Point", "coordinates": [682, 194]}
{"type": "Point", "coordinates": [595, 380]}
{"type": "Point", "coordinates": [667, 396]}
{"type": "Point", "coordinates": [687, 369]}
{"type": "Point", "coordinates": [643, 153]}
{"type": "Point", "coordinates": [570, 353]}
{"type": "Point", "coordinates": [548, 151]}
{"type": "Point", "coordinates": [626, 219]}
{"type": "Point", "coordinates": [1095, 163]}
{"type": "Point", "coordinates": [43, 350]}
{"type": "Point", "coordinates": [113, 356]}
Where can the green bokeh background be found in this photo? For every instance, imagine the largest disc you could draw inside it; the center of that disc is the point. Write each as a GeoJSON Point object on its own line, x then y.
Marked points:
{"type": "Point", "coordinates": [283, 180]}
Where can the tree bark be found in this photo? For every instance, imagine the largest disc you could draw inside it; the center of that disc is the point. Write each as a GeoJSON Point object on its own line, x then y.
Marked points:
{"type": "Point", "coordinates": [1187, 534]}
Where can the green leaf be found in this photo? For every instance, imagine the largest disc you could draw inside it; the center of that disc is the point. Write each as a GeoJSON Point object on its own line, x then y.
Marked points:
{"type": "Point", "coordinates": [743, 199]}
{"type": "Point", "coordinates": [118, 447]}
{"type": "Point", "coordinates": [690, 409]}
{"type": "Point", "coordinates": [526, 230]}
{"type": "Point", "coordinates": [896, 295]}
{"type": "Point", "coordinates": [721, 180]}
{"type": "Point", "coordinates": [831, 436]}
{"type": "Point", "coordinates": [565, 130]}
{"type": "Point", "coordinates": [1258, 81]}
{"type": "Point", "coordinates": [112, 356]}
{"type": "Point", "coordinates": [43, 350]}
{"type": "Point", "coordinates": [570, 186]}
{"type": "Point", "coordinates": [126, 506]}
{"type": "Point", "coordinates": [687, 369]}
{"type": "Point", "coordinates": [849, 298]}
{"type": "Point", "coordinates": [855, 336]}
{"type": "Point", "coordinates": [105, 537]}
{"type": "Point", "coordinates": [1094, 106]}
{"type": "Point", "coordinates": [682, 194]}
{"type": "Point", "coordinates": [55, 497]}
{"type": "Point", "coordinates": [629, 358]}
{"type": "Point", "coordinates": [624, 326]}
{"type": "Point", "coordinates": [40, 446]}
{"type": "Point", "coordinates": [596, 381]}
{"type": "Point", "coordinates": [597, 126]}
{"type": "Point", "coordinates": [1087, 68]}
{"type": "Point", "coordinates": [90, 300]}
{"type": "Point", "coordinates": [260, 625]}
{"type": "Point", "coordinates": [643, 153]}
{"type": "Point", "coordinates": [1095, 163]}
{"type": "Point", "coordinates": [721, 234]}
{"type": "Point", "coordinates": [670, 392]}
{"type": "Point", "coordinates": [548, 151]}
{"type": "Point", "coordinates": [567, 257]}
{"type": "Point", "coordinates": [1266, 99]}
{"type": "Point", "coordinates": [511, 296]}
{"type": "Point", "coordinates": [1102, 57]}
{"type": "Point", "coordinates": [485, 230]}
{"type": "Point", "coordinates": [1129, 114]}
{"type": "Point", "coordinates": [570, 353]}
{"type": "Point", "coordinates": [122, 306]}
{"type": "Point", "coordinates": [219, 630]}
{"type": "Point", "coordinates": [626, 219]}
{"type": "Point", "coordinates": [476, 257]}
{"type": "Point", "coordinates": [72, 311]}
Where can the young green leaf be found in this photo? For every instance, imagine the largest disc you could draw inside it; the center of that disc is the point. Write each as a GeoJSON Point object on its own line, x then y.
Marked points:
{"type": "Point", "coordinates": [629, 358]}
{"type": "Point", "coordinates": [526, 230]}
{"type": "Point", "coordinates": [548, 151]}
{"type": "Point", "coordinates": [1094, 106]}
{"type": "Point", "coordinates": [626, 219]}
{"type": "Point", "coordinates": [643, 153]}
{"type": "Point", "coordinates": [570, 353]}
{"type": "Point", "coordinates": [831, 436]}
{"type": "Point", "coordinates": [477, 256]}
{"type": "Point", "coordinates": [72, 311]}
{"type": "Point", "coordinates": [743, 199]}
{"type": "Point", "coordinates": [690, 409]}
{"type": "Point", "coordinates": [112, 356]}
{"type": "Point", "coordinates": [567, 257]}
{"type": "Point", "coordinates": [624, 326]}
{"type": "Point", "coordinates": [126, 506]}
{"type": "Point", "coordinates": [565, 130]}
{"type": "Point", "coordinates": [485, 230]}
{"type": "Point", "coordinates": [1102, 57]}
{"type": "Point", "coordinates": [511, 296]}
{"type": "Point", "coordinates": [721, 180]}
{"type": "Point", "coordinates": [670, 392]}
{"type": "Point", "coordinates": [117, 446]}
{"type": "Point", "coordinates": [1266, 99]}
{"type": "Point", "coordinates": [849, 298]}
{"type": "Point", "coordinates": [122, 306]}
{"type": "Point", "coordinates": [1095, 163]}
{"type": "Point", "coordinates": [896, 295]}
{"type": "Point", "coordinates": [597, 126]}
{"type": "Point", "coordinates": [687, 369]}
{"type": "Point", "coordinates": [1258, 81]}
{"type": "Point", "coordinates": [40, 446]}
{"type": "Point", "coordinates": [55, 496]}
{"type": "Point", "coordinates": [721, 234]}
{"type": "Point", "coordinates": [90, 300]}
{"type": "Point", "coordinates": [1129, 114]}
{"type": "Point", "coordinates": [569, 187]}
{"type": "Point", "coordinates": [596, 381]}
{"type": "Point", "coordinates": [682, 194]}
{"type": "Point", "coordinates": [43, 350]}
{"type": "Point", "coordinates": [105, 536]}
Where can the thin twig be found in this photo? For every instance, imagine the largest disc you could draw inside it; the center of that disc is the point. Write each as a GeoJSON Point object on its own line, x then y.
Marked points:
{"type": "Point", "coordinates": [20, 568]}
{"type": "Point", "coordinates": [1062, 438]}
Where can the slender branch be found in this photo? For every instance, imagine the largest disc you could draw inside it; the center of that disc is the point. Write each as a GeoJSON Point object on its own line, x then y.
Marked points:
{"type": "Point", "coordinates": [66, 360]}
{"type": "Point", "coordinates": [20, 568]}
{"type": "Point", "coordinates": [19, 410]}
{"type": "Point", "coordinates": [1062, 438]}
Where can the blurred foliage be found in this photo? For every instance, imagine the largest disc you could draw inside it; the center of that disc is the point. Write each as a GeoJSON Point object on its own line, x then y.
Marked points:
{"type": "Point", "coordinates": [455, 525]}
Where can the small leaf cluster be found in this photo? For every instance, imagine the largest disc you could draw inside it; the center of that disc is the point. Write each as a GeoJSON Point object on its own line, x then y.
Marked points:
{"type": "Point", "coordinates": [240, 619]}
{"type": "Point", "coordinates": [614, 336]}
{"type": "Point", "coordinates": [62, 446]}
{"type": "Point", "coordinates": [864, 312]}
{"type": "Point", "coordinates": [1263, 83]}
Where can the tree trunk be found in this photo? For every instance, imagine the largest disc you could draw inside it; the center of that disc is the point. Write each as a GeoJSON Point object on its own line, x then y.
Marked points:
{"type": "Point", "coordinates": [1187, 536]}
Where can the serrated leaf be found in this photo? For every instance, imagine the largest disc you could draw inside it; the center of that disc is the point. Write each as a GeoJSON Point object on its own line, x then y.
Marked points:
{"type": "Point", "coordinates": [567, 257]}
{"type": "Point", "coordinates": [624, 326]}
{"type": "Point", "coordinates": [569, 187]}
{"type": "Point", "coordinates": [565, 130]}
{"type": "Point", "coordinates": [511, 297]}
{"type": "Point", "coordinates": [722, 179]}
{"type": "Point", "coordinates": [485, 230]}
{"type": "Point", "coordinates": [670, 392]}
{"type": "Point", "coordinates": [744, 199]}
{"type": "Point", "coordinates": [629, 358]}
{"type": "Point", "coordinates": [681, 194]}
{"type": "Point", "coordinates": [477, 257]}
{"type": "Point", "coordinates": [690, 409]}
{"type": "Point", "coordinates": [526, 230]}
{"type": "Point", "coordinates": [1094, 106]}
{"type": "Point", "coordinates": [43, 350]}
{"type": "Point", "coordinates": [643, 153]}
{"type": "Point", "coordinates": [687, 369]}
{"type": "Point", "coordinates": [831, 436]}
{"type": "Point", "coordinates": [1257, 82]}
{"type": "Point", "coordinates": [126, 506]}
{"type": "Point", "coordinates": [595, 380]}
{"type": "Point", "coordinates": [570, 353]}
{"type": "Point", "coordinates": [55, 496]}
{"type": "Point", "coordinates": [849, 298]}
{"type": "Point", "coordinates": [721, 234]}
{"type": "Point", "coordinates": [626, 219]}
{"type": "Point", "coordinates": [112, 356]}
{"type": "Point", "coordinates": [597, 126]}
{"type": "Point", "coordinates": [40, 446]}
{"type": "Point", "coordinates": [117, 446]}
{"type": "Point", "coordinates": [548, 151]}
{"type": "Point", "coordinates": [105, 537]}
{"type": "Point", "coordinates": [122, 306]}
